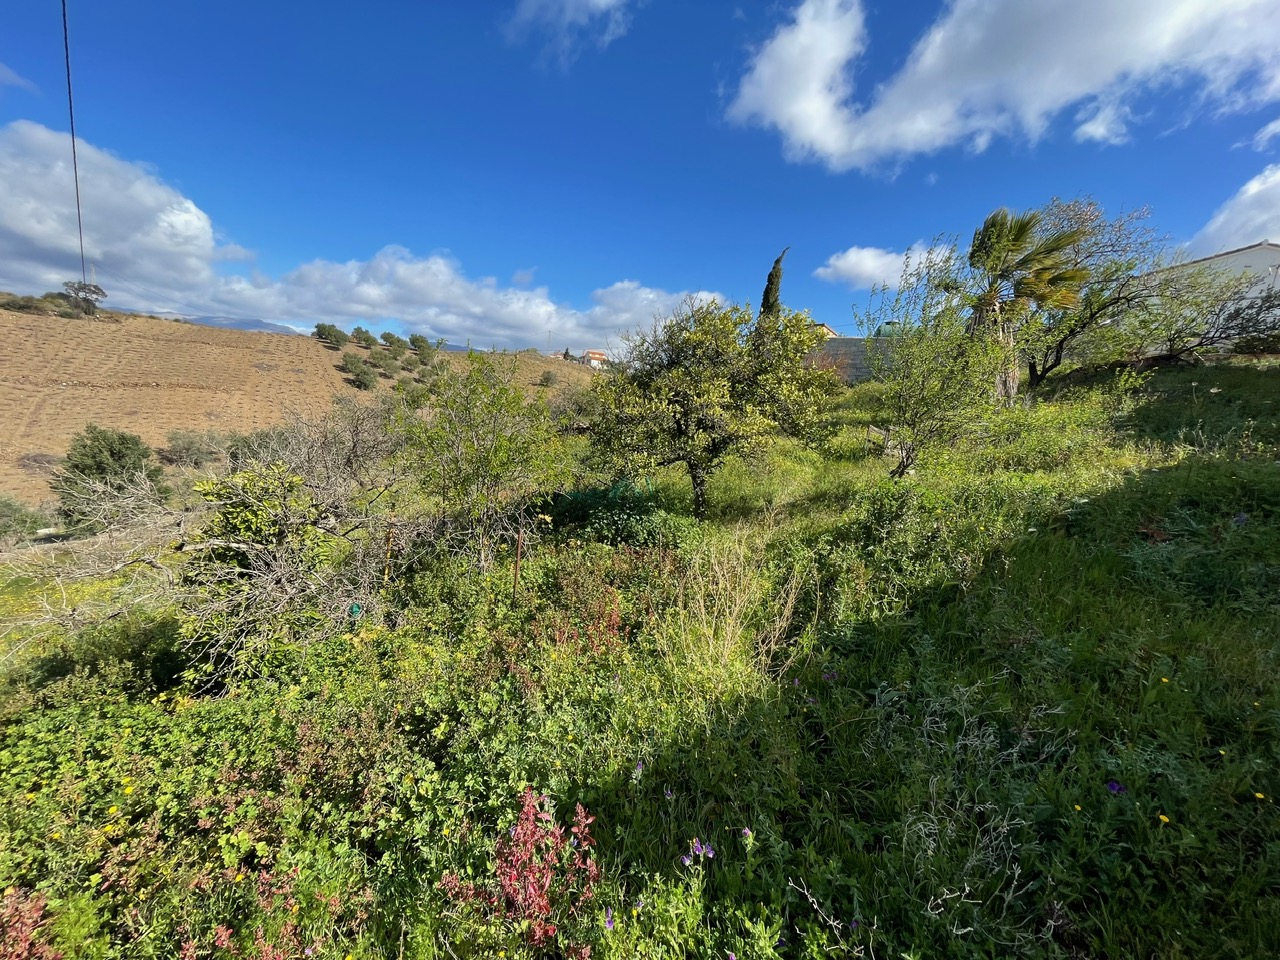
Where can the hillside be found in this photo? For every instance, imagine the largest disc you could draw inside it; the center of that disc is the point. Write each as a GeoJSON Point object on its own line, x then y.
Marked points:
{"type": "Point", "coordinates": [153, 376]}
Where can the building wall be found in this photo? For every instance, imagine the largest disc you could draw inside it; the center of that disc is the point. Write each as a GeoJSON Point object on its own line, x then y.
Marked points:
{"type": "Point", "coordinates": [847, 356]}
{"type": "Point", "coordinates": [1263, 261]}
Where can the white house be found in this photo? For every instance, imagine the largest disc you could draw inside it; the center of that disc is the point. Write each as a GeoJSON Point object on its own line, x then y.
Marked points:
{"type": "Point", "coordinates": [1260, 259]}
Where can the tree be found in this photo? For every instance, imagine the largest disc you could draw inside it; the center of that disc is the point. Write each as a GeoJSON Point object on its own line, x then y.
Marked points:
{"type": "Point", "coordinates": [359, 371]}
{"type": "Point", "coordinates": [100, 460]}
{"type": "Point", "coordinates": [396, 346]}
{"type": "Point", "coordinates": [482, 453]}
{"type": "Point", "coordinates": [363, 337]}
{"type": "Point", "coordinates": [1018, 266]}
{"type": "Point", "coordinates": [704, 383]}
{"type": "Point", "coordinates": [567, 355]}
{"type": "Point", "coordinates": [1119, 255]}
{"type": "Point", "coordinates": [330, 334]}
{"type": "Point", "coordinates": [1195, 309]}
{"type": "Point", "coordinates": [936, 375]}
{"type": "Point", "coordinates": [85, 295]}
{"type": "Point", "coordinates": [771, 300]}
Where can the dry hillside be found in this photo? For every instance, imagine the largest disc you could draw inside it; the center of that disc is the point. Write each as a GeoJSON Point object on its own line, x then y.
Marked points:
{"type": "Point", "coordinates": [152, 376]}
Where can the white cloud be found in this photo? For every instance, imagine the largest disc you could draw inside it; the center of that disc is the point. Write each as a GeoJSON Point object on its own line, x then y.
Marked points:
{"type": "Point", "coordinates": [522, 278]}
{"type": "Point", "coordinates": [1249, 217]}
{"type": "Point", "coordinates": [991, 68]}
{"type": "Point", "coordinates": [10, 78]}
{"type": "Point", "coordinates": [157, 250]}
{"type": "Point", "coordinates": [572, 24]}
{"type": "Point", "coordinates": [862, 268]}
{"type": "Point", "coordinates": [1264, 136]}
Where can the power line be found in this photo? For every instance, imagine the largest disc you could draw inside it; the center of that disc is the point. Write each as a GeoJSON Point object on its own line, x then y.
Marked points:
{"type": "Point", "coordinates": [75, 162]}
{"type": "Point", "coordinates": [151, 295]}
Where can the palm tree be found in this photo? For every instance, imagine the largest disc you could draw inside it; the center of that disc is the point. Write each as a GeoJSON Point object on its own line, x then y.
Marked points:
{"type": "Point", "coordinates": [1019, 265]}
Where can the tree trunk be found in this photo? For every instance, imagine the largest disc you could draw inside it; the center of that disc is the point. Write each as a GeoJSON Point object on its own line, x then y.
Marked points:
{"type": "Point", "coordinates": [1007, 380]}
{"type": "Point", "coordinates": [698, 476]}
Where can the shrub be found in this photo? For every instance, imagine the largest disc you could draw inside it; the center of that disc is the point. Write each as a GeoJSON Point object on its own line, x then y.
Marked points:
{"type": "Point", "coordinates": [330, 334]}
{"type": "Point", "coordinates": [191, 448]}
{"type": "Point", "coordinates": [101, 460]}
{"type": "Point", "coordinates": [1257, 343]}
{"type": "Point", "coordinates": [396, 346]}
{"type": "Point", "coordinates": [385, 362]}
{"type": "Point", "coordinates": [363, 337]}
{"type": "Point", "coordinates": [549, 378]}
{"type": "Point", "coordinates": [17, 520]}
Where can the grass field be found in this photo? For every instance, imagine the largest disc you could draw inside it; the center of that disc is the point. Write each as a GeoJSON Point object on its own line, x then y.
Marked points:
{"type": "Point", "coordinates": [1023, 703]}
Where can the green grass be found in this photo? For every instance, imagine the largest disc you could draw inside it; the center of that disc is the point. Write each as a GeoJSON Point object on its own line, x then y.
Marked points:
{"type": "Point", "coordinates": [1025, 702]}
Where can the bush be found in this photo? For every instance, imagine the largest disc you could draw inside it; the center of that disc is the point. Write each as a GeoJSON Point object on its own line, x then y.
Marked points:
{"type": "Point", "coordinates": [549, 378]}
{"type": "Point", "coordinates": [101, 460]}
{"type": "Point", "coordinates": [384, 362]}
{"type": "Point", "coordinates": [1257, 343]}
{"type": "Point", "coordinates": [363, 337]}
{"type": "Point", "coordinates": [17, 521]}
{"type": "Point", "coordinates": [191, 448]}
{"type": "Point", "coordinates": [330, 334]}
{"type": "Point", "coordinates": [396, 346]}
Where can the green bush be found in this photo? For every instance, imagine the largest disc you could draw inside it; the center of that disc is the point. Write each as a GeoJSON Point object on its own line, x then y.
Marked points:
{"type": "Point", "coordinates": [330, 334]}
{"type": "Point", "coordinates": [103, 458]}
{"type": "Point", "coordinates": [18, 521]}
{"type": "Point", "coordinates": [363, 337]}
{"type": "Point", "coordinates": [549, 378]}
{"type": "Point", "coordinates": [191, 448]}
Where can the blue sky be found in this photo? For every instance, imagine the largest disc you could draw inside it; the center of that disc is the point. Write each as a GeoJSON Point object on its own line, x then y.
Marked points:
{"type": "Point", "coordinates": [526, 172]}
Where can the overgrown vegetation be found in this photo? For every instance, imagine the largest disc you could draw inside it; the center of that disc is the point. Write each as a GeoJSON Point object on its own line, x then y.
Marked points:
{"type": "Point", "coordinates": [433, 678]}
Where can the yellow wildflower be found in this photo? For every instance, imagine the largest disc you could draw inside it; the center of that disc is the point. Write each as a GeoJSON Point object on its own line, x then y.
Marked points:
{"type": "Point", "coordinates": [1221, 751]}
{"type": "Point", "coordinates": [113, 809]}
{"type": "Point", "coordinates": [128, 790]}
{"type": "Point", "coordinates": [1163, 818]}
{"type": "Point", "coordinates": [1078, 808]}
{"type": "Point", "coordinates": [239, 877]}
{"type": "Point", "coordinates": [1261, 796]}
{"type": "Point", "coordinates": [1164, 679]}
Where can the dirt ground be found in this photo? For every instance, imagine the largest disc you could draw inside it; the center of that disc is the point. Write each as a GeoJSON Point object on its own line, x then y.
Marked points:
{"type": "Point", "coordinates": [151, 376]}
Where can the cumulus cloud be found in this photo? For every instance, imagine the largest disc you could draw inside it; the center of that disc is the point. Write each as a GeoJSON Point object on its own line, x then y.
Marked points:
{"type": "Point", "coordinates": [570, 25]}
{"type": "Point", "coordinates": [1249, 217]}
{"type": "Point", "coordinates": [998, 68]}
{"type": "Point", "coordinates": [10, 78]}
{"type": "Point", "coordinates": [157, 250]}
{"type": "Point", "coordinates": [862, 268]}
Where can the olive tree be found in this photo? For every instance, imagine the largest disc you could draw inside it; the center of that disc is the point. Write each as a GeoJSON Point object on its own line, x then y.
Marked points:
{"type": "Point", "coordinates": [706, 382]}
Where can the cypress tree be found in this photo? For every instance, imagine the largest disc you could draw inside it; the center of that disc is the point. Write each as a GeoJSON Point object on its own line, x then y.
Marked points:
{"type": "Point", "coordinates": [771, 301]}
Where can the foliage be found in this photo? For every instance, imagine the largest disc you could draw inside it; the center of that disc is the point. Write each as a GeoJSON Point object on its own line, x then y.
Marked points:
{"type": "Point", "coordinates": [331, 335]}
{"type": "Point", "coordinates": [1018, 265]}
{"type": "Point", "coordinates": [1022, 702]}
{"type": "Point", "coordinates": [706, 382]}
{"type": "Point", "coordinates": [1118, 255]}
{"type": "Point", "coordinates": [396, 346]}
{"type": "Point", "coordinates": [102, 459]}
{"type": "Point", "coordinates": [363, 337]}
{"type": "Point", "coordinates": [935, 374]}
{"type": "Point", "coordinates": [549, 378]}
{"type": "Point", "coordinates": [192, 448]}
{"type": "Point", "coordinates": [1198, 310]}
{"type": "Point", "coordinates": [17, 520]}
{"type": "Point", "coordinates": [86, 296]}
{"type": "Point", "coordinates": [482, 453]}
{"type": "Point", "coordinates": [360, 371]}
{"type": "Point", "coordinates": [252, 568]}
{"type": "Point", "coordinates": [771, 299]}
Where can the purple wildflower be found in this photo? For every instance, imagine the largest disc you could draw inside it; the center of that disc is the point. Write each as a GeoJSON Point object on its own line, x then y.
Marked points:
{"type": "Point", "coordinates": [746, 832]}
{"type": "Point", "coordinates": [853, 924]}
{"type": "Point", "coordinates": [608, 918]}
{"type": "Point", "coordinates": [667, 793]}
{"type": "Point", "coordinates": [697, 846]}
{"type": "Point", "coordinates": [639, 905]}
{"type": "Point", "coordinates": [708, 851]}
{"type": "Point", "coordinates": [686, 860]}
{"type": "Point", "coordinates": [639, 768]}
{"type": "Point", "coordinates": [1116, 787]}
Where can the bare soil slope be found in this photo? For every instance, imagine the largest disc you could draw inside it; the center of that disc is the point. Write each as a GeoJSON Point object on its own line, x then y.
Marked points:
{"type": "Point", "coordinates": [153, 376]}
